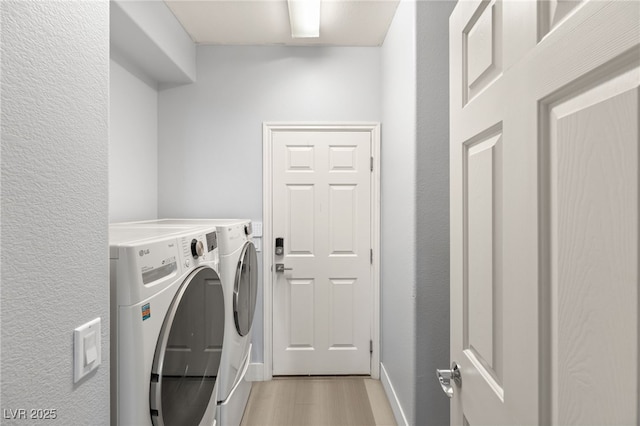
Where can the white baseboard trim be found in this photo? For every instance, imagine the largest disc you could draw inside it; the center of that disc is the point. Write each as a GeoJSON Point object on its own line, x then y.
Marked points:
{"type": "Point", "coordinates": [401, 419]}
{"type": "Point", "coordinates": [255, 372]}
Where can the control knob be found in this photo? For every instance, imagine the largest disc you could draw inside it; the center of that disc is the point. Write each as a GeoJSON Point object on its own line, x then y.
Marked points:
{"type": "Point", "coordinates": [197, 248]}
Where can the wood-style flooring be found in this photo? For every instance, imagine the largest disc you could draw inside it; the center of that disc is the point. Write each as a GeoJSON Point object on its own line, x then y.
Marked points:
{"type": "Point", "coordinates": [318, 401]}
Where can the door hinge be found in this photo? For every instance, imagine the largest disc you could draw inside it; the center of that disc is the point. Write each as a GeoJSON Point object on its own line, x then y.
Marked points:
{"type": "Point", "coordinates": [371, 164]}
{"type": "Point", "coordinates": [371, 256]}
{"type": "Point", "coordinates": [370, 346]}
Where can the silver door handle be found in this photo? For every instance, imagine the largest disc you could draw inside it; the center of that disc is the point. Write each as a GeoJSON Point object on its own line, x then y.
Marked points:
{"type": "Point", "coordinates": [280, 268]}
{"type": "Point", "coordinates": [445, 376]}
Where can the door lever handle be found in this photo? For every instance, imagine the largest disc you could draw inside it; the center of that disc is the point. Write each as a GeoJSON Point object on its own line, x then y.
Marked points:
{"type": "Point", "coordinates": [280, 268]}
{"type": "Point", "coordinates": [445, 376]}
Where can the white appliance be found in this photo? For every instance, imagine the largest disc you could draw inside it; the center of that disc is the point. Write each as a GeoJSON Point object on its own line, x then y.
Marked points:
{"type": "Point", "coordinates": [239, 274]}
{"type": "Point", "coordinates": [167, 324]}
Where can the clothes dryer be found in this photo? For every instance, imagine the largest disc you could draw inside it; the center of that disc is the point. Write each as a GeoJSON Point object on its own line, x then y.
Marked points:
{"type": "Point", "coordinates": [239, 267]}
{"type": "Point", "coordinates": [239, 274]}
{"type": "Point", "coordinates": [167, 324]}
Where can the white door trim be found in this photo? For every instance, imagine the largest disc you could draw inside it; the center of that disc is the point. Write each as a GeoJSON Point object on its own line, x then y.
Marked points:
{"type": "Point", "coordinates": [267, 247]}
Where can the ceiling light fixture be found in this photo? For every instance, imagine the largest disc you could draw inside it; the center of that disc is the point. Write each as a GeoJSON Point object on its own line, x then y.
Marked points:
{"type": "Point", "coordinates": [304, 16]}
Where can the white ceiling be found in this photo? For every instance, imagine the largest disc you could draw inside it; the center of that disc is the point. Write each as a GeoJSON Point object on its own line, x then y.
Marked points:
{"type": "Point", "coordinates": [266, 22]}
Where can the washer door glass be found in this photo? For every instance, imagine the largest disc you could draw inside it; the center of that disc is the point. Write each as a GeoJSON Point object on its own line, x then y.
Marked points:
{"type": "Point", "coordinates": [187, 357]}
{"type": "Point", "coordinates": [245, 289]}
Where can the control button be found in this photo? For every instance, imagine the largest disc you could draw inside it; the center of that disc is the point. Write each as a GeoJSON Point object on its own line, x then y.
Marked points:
{"type": "Point", "coordinates": [197, 248]}
{"type": "Point", "coordinates": [187, 263]}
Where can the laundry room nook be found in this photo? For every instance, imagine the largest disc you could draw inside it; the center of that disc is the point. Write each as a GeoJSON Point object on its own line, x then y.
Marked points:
{"type": "Point", "coordinates": [401, 212]}
{"type": "Point", "coordinates": [241, 126]}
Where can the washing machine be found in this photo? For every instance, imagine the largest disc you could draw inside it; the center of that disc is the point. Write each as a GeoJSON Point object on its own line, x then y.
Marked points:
{"type": "Point", "coordinates": [239, 274]}
{"type": "Point", "coordinates": [167, 325]}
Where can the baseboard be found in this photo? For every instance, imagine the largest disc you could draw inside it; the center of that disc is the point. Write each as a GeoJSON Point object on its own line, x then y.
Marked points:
{"type": "Point", "coordinates": [255, 372]}
{"type": "Point", "coordinates": [401, 419]}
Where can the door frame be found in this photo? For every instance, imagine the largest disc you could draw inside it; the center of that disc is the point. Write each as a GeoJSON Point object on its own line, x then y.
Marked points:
{"type": "Point", "coordinates": [268, 128]}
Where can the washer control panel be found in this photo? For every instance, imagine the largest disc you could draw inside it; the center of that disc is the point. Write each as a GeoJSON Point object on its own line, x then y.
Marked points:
{"type": "Point", "coordinates": [199, 247]}
{"type": "Point", "coordinates": [157, 261]}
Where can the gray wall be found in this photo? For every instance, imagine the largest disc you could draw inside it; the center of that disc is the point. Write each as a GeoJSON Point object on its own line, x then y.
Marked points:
{"type": "Point", "coordinates": [211, 131]}
{"type": "Point", "coordinates": [415, 175]}
{"type": "Point", "coordinates": [55, 88]}
{"type": "Point", "coordinates": [432, 204]}
{"type": "Point", "coordinates": [133, 146]}
{"type": "Point", "coordinates": [398, 204]}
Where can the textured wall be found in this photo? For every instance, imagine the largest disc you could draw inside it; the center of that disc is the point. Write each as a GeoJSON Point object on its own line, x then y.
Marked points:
{"type": "Point", "coordinates": [210, 132]}
{"type": "Point", "coordinates": [432, 199]}
{"type": "Point", "coordinates": [55, 65]}
{"type": "Point", "coordinates": [398, 198]}
{"type": "Point", "coordinates": [133, 147]}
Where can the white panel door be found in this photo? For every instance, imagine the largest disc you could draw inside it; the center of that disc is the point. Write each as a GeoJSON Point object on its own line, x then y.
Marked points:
{"type": "Point", "coordinates": [545, 211]}
{"type": "Point", "coordinates": [322, 209]}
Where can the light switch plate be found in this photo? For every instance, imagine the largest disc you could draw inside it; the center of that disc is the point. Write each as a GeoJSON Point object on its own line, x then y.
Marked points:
{"type": "Point", "coordinates": [257, 229]}
{"type": "Point", "coordinates": [86, 349]}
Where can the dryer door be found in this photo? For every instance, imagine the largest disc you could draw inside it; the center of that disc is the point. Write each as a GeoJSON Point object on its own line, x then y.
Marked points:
{"type": "Point", "coordinates": [187, 357]}
{"type": "Point", "coordinates": [245, 289]}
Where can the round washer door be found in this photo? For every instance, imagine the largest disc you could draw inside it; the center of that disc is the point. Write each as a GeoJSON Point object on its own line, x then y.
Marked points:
{"type": "Point", "coordinates": [245, 289]}
{"type": "Point", "coordinates": [187, 358]}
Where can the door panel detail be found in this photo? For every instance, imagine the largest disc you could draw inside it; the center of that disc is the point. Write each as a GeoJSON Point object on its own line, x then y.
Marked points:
{"type": "Point", "coordinates": [552, 12]}
{"type": "Point", "coordinates": [483, 285]}
{"type": "Point", "coordinates": [342, 158]}
{"type": "Point", "coordinates": [301, 218]}
{"type": "Point", "coordinates": [301, 313]}
{"type": "Point", "coordinates": [486, 372]}
{"type": "Point", "coordinates": [482, 48]}
{"type": "Point", "coordinates": [343, 212]}
{"type": "Point", "coordinates": [299, 158]}
{"type": "Point", "coordinates": [341, 296]}
{"type": "Point", "coordinates": [593, 256]}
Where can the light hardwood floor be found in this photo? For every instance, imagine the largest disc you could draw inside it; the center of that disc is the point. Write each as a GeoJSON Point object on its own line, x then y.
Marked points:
{"type": "Point", "coordinates": [326, 401]}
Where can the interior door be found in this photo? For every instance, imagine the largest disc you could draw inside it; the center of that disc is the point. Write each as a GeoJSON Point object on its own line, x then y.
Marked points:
{"type": "Point", "coordinates": [322, 301]}
{"type": "Point", "coordinates": [544, 211]}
